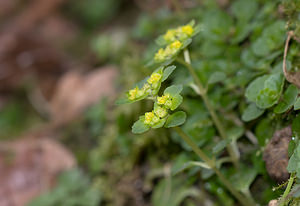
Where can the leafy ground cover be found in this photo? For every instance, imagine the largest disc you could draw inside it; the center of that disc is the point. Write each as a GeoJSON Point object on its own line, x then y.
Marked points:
{"type": "Point", "coordinates": [219, 120]}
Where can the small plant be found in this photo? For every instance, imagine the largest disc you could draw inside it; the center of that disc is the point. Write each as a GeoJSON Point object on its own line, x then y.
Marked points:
{"type": "Point", "coordinates": [174, 42]}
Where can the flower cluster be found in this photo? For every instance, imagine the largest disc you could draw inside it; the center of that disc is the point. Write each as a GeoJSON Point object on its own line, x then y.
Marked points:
{"type": "Point", "coordinates": [174, 40]}
{"type": "Point", "coordinates": [181, 33]}
{"type": "Point", "coordinates": [168, 52]}
{"type": "Point", "coordinates": [149, 87]}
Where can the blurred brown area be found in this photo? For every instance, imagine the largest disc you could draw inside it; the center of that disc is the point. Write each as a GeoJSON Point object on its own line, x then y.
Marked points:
{"type": "Point", "coordinates": [30, 166]}
{"type": "Point", "coordinates": [32, 34]}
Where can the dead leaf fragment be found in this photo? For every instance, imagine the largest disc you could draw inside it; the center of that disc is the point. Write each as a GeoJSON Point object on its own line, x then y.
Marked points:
{"type": "Point", "coordinates": [276, 154]}
{"type": "Point", "coordinates": [75, 92]}
{"type": "Point", "coordinates": [29, 167]}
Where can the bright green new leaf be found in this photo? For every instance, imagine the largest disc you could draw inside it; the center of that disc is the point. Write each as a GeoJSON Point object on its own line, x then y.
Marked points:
{"type": "Point", "coordinates": [176, 119]}
{"type": "Point", "coordinates": [251, 113]}
{"type": "Point", "coordinates": [176, 101]}
{"type": "Point", "coordinates": [289, 98]}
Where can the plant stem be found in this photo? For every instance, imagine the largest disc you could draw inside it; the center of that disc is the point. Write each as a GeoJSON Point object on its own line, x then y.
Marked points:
{"type": "Point", "coordinates": [233, 151]}
{"type": "Point", "coordinates": [287, 190]}
{"type": "Point", "coordinates": [245, 201]}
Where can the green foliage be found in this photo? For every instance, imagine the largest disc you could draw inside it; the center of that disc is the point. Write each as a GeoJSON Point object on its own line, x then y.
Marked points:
{"type": "Point", "coordinates": [73, 189]}
{"type": "Point", "coordinates": [176, 119]}
{"type": "Point", "coordinates": [288, 99]}
{"type": "Point", "coordinates": [172, 191]}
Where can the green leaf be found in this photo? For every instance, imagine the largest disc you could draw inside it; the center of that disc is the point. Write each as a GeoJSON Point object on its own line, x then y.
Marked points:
{"type": "Point", "coordinates": [139, 127]}
{"type": "Point", "coordinates": [293, 165]}
{"type": "Point", "coordinates": [176, 101]}
{"type": "Point", "coordinates": [244, 10]}
{"type": "Point", "coordinates": [167, 72]}
{"type": "Point", "coordinates": [251, 113]}
{"type": "Point", "coordinates": [254, 88]}
{"type": "Point", "coordinates": [271, 92]}
{"type": "Point", "coordinates": [289, 98]}
{"type": "Point", "coordinates": [297, 104]}
{"type": "Point", "coordinates": [296, 126]}
{"type": "Point", "coordinates": [173, 90]}
{"type": "Point", "coordinates": [220, 145]}
{"type": "Point", "coordinates": [160, 123]}
{"type": "Point", "coordinates": [176, 119]}
{"type": "Point", "coordinates": [243, 179]}
{"type": "Point", "coordinates": [122, 101]}
{"type": "Point", "coordinates": [216, 77]}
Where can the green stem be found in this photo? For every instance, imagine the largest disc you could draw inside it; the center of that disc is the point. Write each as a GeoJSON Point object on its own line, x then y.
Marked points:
{"type": "Point", "coordinates": [287, 190]}
{"type": "Point", "coordinates": [245, 201]}
{"type": "Point", "coordinates": [232, 150]}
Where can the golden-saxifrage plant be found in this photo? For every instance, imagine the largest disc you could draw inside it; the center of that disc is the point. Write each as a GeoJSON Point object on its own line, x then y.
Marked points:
{"type": "Point", "coordinates": [174, 42]}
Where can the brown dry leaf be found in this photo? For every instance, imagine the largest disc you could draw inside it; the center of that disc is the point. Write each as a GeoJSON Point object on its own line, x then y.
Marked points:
{"type": "Point", "coordinates": [75, 92]}
{"type": "Point", "coordinates": [273, 203]}
{"type": "Point", "coordinates": [29, 166]}
{"type": "Point", "coordinates": [276, 154]}
{"type": "Point", "coordinates": [293, 77]}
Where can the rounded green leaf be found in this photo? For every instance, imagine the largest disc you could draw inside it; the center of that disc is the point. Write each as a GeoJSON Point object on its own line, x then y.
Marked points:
{"type": "Point", "coordinates": [176, 101]}
{"type": "Point", "coordinates": [173, 90]}
{"type": "Point", "coordinates": [254, 88]}
{"type": "Point", "coordinates": [251, 113]}
{"type": "Point", "coordinates": [139, 127]}
{"type": "Point", "coordinates": [289, 98]}
{"type": "Point", "coordinates": [271, 92]}
{"type": "Point", "coordinates": [160, 123]}
{"type": "Point", "coordinates": [167, 72]}
{"type": "Point", "coordinates": [176, 119]}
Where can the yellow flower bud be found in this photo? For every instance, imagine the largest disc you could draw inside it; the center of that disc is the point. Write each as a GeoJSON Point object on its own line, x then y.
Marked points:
{"type": "Point", "coordinates": [168, 103]}
{"type": "Point", "coordinates": [188, 30]}
{"type": "Point", "coordinates": [160, 112]}
{"type": "Point", "coordinates": [170, 35]}
{"type": "Point", "coordinates": [176, 45]}
{"type": "Point", "coordinates": [133, 93]}
{"type": "Point", "coordinates": [160, 55]}
{"type": "Point", "coordinates": [148, 117]}
{"type": "Point", "coordinates": [154, 78]}
{"type": "Point", "coordinates": [163, 99]}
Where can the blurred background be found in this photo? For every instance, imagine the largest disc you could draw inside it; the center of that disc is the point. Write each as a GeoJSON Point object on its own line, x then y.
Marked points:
{"type": "Point", "coordinates": [62, 65]}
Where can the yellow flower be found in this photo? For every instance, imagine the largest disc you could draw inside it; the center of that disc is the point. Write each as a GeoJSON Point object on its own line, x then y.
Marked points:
{"type": "Point", "coordinates": [154, 78]}
{"type": "Point", "coordinates": [148, 117]}
{"type": "Point", "coordinates": [160, 111]}
{"type": "Point", "coordinates": [160, 55]}
{"type": "Point", "coordinates": [133, 93]}
{"type": "Point", "coordinates": [163, 99]}
{"type": "Point", "coordinates": [176, 45]}
{"type": "Point", "coordinates": [188, 30]}
{"type": "Point", "coordinates": [170, 35]}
